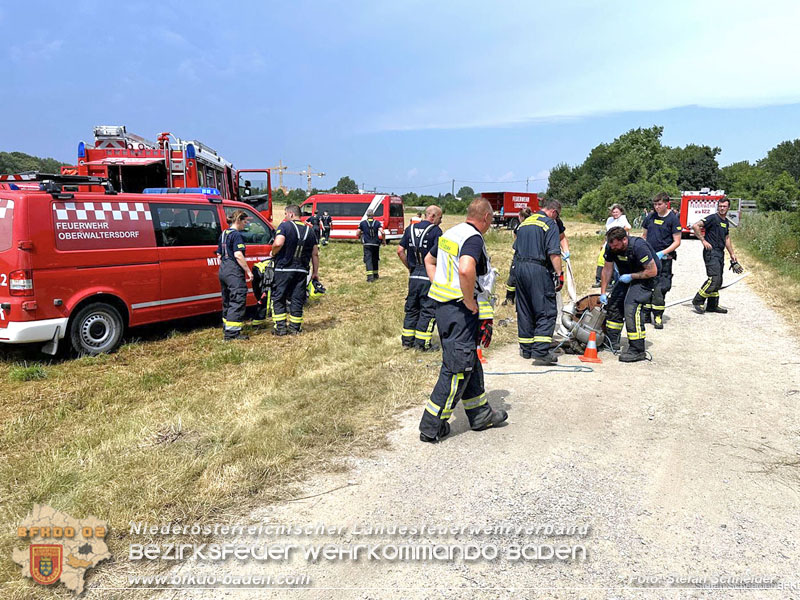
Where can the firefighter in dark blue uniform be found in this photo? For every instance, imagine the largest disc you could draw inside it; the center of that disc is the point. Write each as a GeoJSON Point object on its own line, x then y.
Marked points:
{"type": "Point", "coordinates": [326, 223]}
{"type": "Point", "coordinates": [417, 241]}
{"type": "Point", "coordinates": [370, 232]}
{"type": "Point", "coordinates": [662, 230]}
{"type": "Point", "coordinates": [234, 273]}
{"type": "Point", "coordinates": [638, 266]}
{"type": "Point", "coordinates": [315, 221]}
{"type": "Point", "coordinates": [294, 248]}
{"type": "Point", "coordinates": [511, 282]}
{"type": "Point", "coordinates": [539, 278]}
{"type": "Point", "coordinates": [715, 239]}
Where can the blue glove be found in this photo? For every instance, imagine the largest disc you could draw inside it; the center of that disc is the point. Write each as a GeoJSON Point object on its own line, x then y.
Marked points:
{"type": "Point", "coordinates": [566, 255]}
{"type": "Point", "coordinates": [660, 254]}
{"type": "Point", "coordinates": [626, 278]}
{"type": "Point", "coordinates": [603, 298]}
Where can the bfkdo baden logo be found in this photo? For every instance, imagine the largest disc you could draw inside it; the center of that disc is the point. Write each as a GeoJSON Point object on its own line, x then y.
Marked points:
{"type": "Point", "coordinates": [46, 561]}
{"type": "Point", "coordinates": [61, 548]}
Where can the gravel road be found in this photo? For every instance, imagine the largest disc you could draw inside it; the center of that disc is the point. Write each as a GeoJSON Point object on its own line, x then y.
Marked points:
{"type": "Point", "coordinates": [685, 466]}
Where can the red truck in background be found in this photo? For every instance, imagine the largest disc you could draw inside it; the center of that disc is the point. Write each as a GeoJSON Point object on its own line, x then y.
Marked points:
{"type": "Point", "coordinates": [506, 206]}
{"type": "Point", "coordinates": [132, 163]}
{"type": "Point", "coordinates": [699, 205]}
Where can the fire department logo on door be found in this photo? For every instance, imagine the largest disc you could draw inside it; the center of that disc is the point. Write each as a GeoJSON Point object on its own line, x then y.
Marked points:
{"type": "Point", "coordinates": [46, 562]}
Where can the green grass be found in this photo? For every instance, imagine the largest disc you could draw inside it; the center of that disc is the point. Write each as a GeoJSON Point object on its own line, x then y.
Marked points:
{"type": "Point", "coordinates": [768, 244]}
{"type": "Point", "coordinates": [27, 372]}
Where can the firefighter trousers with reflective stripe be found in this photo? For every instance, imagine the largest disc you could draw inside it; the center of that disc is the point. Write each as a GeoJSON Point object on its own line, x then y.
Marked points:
{"type": "Point", "coordinates": [662, 284]}
{"type": "Point", "coordinates": [420, 312]}
{"type": "Point", "coordinates": [625, 307]}
{"type": "Point", "coordinates": [372, 255]}
{"type": "Point", "coordinates": [715, 268]}
{"type": "Point", "coordinates": [288, 298]}
{"type": "Point", "coordinates": [536, 308]}
{"type": "Point", "coordinates": [234, 297]}
{"type": "Point", "coordinates": [461, 374]}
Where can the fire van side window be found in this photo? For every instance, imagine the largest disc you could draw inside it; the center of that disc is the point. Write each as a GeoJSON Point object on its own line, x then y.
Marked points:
{"type": "Point", "coordinates": [186, 226]}
{"type": "Point", "coordinates": [256, 231]}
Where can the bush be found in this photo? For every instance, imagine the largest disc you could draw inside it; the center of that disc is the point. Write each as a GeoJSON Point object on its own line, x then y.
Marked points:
{"type": "Point", "coordinates": [773, 237]}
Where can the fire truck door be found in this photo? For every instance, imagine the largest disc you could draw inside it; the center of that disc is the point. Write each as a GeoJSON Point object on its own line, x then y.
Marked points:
{"type": "Point", "coordinates": [187, 237]}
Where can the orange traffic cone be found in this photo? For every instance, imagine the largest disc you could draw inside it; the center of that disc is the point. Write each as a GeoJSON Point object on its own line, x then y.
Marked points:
{"type": "Point", "coordinates": [590, 355]}
{"type": "Point", "coordinates": [480, 356]}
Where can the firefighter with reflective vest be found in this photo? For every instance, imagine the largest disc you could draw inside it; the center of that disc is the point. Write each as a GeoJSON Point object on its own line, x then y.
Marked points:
{"type": "Point", "coordinates": [638, 266]}
{"type": "Point", "coordinates": [294, 248]}
{"type": "Point", "coordinates": [714, 232]}
{"type": "Point", "coordinates": [539, 277]}
{"type": "Point", "coordinates": [234, 273]}
{"type": "Point", "coordinates": [461, 282]}
{"type": "Point", "coordinates": [662, 230]}
{"type": "Point", "coordinates": [417, 241]}
{"type": "Point", "coordinates": [370, 232]}
{"type": "Point", "coordinates": [326, 223]}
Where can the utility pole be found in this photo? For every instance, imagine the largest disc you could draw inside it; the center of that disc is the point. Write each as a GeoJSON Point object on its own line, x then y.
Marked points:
{"type": "Point", "coordinates": [527, 179]}
{"type": "Point", "coordinates": [453, 188]}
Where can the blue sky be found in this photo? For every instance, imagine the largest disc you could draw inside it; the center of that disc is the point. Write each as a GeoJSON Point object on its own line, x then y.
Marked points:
{"type": "Point", "coordinates": [401, 95]}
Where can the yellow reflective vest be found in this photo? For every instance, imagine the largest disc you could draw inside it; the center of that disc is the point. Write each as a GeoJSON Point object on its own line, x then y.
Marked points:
{"type": "Point", "coordinates": [446, 285]}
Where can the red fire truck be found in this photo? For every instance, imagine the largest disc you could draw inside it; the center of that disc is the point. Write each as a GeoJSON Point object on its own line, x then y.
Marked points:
{"type": "Point", "coordinates": [348, 210]}
{"type": "Point", "coordinates": [700, 204]}
{"type": "Point", "coordinates": [132, 163]}
{"type": "Point", "coordinates": [85, 265]}
{"type": "Point", "coordinates": [506, 206]}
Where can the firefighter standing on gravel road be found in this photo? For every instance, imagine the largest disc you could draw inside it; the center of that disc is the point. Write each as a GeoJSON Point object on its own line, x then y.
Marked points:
{"type": "Point", "coordinates": [638, 266]}
{"type": "Point", "coordinates": [715, 239]}
{"type": "Point", "coordinates": [370, 232]}
{"type": "Point", "coordinates": [295, 246]}
{"type": "Point", "coordinates": [417, 241]}
{"type": "Point", "coordinates": [662, 230]}
{"type": "Point", "coordinates": [539, 277]}
{"type": "Point", "coordinates": [461, 279]}
{"type": "Point", "coordinates": [234, 273]}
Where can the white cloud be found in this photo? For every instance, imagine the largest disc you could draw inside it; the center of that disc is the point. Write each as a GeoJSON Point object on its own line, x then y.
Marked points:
{"type": "Point", "coordinates": [36, 50]}
{"type": "Point", "coordinates": [622, 57]}
{"type": "Point", "coordinates": [508, 176]}
{"type": "Point", "coordinates": [412, 173]}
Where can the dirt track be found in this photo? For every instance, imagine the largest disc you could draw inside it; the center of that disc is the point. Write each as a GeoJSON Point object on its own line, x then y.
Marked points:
{"type": "Point", "coordinates": [688, 465]}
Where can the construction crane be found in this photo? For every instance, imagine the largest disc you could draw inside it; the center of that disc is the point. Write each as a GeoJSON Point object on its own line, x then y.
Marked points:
{"type": "Point", "coordinates": [308, 174]}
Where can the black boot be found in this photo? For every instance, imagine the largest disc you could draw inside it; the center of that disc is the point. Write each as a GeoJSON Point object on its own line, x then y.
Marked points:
{"type": "Point", "coordinates": [698, 303]}
{"type": "Point", "coordinates": [491, 419]}
{"type": "Point", "coordinates": [631, 355]}
{"type": "Point", "coordinates": [546, 360]}
{"type": "Point", "coordinates": [444, 431]}
{"type": "Point", "coordinates": [714, 307]}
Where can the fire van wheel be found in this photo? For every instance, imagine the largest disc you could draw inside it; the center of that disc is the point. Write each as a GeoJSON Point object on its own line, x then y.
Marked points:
{"type": "Point", "coordinates": [513, 223]}
{"type": "Point", "coordinates": [96, 329]}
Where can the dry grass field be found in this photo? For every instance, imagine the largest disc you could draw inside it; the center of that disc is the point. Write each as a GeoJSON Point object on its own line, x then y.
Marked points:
{"type": "Point", "coordinates": [179, 426]}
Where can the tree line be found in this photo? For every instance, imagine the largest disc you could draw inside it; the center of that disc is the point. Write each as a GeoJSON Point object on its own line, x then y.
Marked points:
{"type": "Point", "coordinates": [636, 166]}
{"type": "Point", "coordinates": [17, 162]}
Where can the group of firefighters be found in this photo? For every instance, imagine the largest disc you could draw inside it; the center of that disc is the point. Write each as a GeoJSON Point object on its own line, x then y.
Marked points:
{"type": "Point", "coordinates": [451, 281]}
